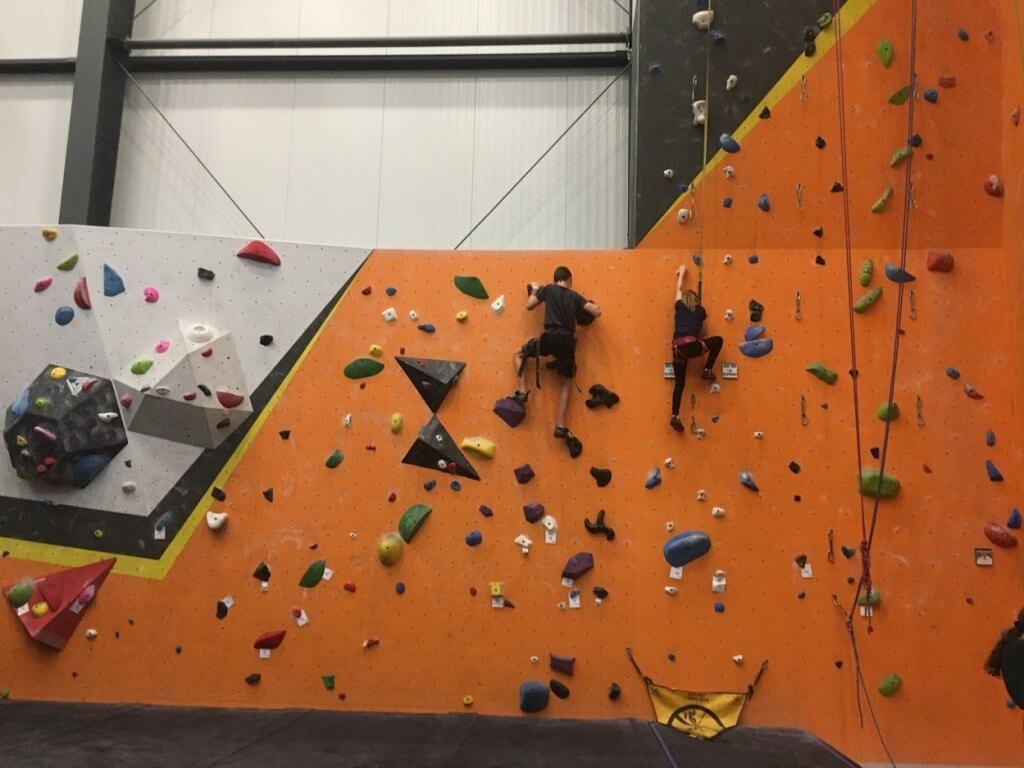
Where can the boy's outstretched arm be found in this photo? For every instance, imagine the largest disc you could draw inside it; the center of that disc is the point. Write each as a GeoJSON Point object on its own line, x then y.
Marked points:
{"type": "Point", "coordinates": [592, 308]}
{"type": "Point", "coordinates": [533, 301]}
{"type": "Point", "coordinates": [680, 274]}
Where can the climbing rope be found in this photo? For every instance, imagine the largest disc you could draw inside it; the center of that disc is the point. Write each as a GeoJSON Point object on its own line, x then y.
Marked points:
{"type": "Point", "coordinates": [703, 166]}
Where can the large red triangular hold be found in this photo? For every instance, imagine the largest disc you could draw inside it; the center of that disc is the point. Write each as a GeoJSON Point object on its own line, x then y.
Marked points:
{"type": "Point", "coordinates": [72, 590]}
{"type": "Point", "coordinates": [259, 251]}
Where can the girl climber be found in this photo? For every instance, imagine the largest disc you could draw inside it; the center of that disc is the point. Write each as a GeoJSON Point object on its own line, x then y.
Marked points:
{"type": "Point", "coordinates": [687, 342]}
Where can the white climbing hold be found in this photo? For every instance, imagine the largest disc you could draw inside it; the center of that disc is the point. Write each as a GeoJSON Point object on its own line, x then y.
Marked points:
{"type": "Point", "coordinates": [670, 526]}
{"type": "Point", "coordinates": [672, 591]}
{"type": "Point", "coordinates": [534, 659]}
{"type": "Point", "coordinates": [700, 112]}
{"type": "Point", "coordinates": [352, 535]}
{"type": "Point", "coordinates": [348, 421]}
{"type": "Point", "coordinates": [727, 259]}
{"type": "Point", "coordinates": [413, 315]}
{"type": "Point", "coordinates": [669, 462]}
{"type": "Point", "coordinates": [216, 520]}
{"type": "Point", "coordinates": [730, 82]}
{"type": "Point", "coordinates": [738, 659]}
{"type": "Point", "coordinates": [561, 606]}
{"type": "Point", "coordinates": [498, 305]}
{"type": "Point", "coordinates": [699, 433]}
{"type": "Point", "coordinates": [702, 495]}
{"type": "Point", "coordinates": [524, 543]}
{"type": "Point", "coordinates": [162, 391]}
{"type": "Point", "coordinates": [107, 417]}
{"type": "Point", "coordinates": [702, 19]}
{"type": "Point", "coordinates": [718, 512]}
{"type": "Point", "coordinates": [729, 172]}
{"type": "Point", "coordinates": [549, 523]}
{"type": "Point", "coordinates": [715, 388]}
{"type": "Point", "coordinates": [128, 486]}
{"type": "Point", "coordinates": [759, 435]}
{"type": "Point", "coordinates": [91, 634]}
{"type": "Point", "coordinates": [729, 315]}
{"type": "Point", "coordinates": [668, 173]}
{"type": "Point", "coordinates": [389, 315]}
{"type": "Point", "coordinates": [683, 215]}
{"type": "Point", "coordinates": [718, 581]}
{"type": "Point", "coordinates": [442, 464]}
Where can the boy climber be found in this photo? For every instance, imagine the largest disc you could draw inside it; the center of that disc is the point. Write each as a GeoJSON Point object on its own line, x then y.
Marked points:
{"type": "Point", "coordinates": [562, 307]}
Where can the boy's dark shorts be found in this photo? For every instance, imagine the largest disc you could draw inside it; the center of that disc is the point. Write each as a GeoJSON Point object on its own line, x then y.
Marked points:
{"type": "Point", "coordinates": [561, 346]}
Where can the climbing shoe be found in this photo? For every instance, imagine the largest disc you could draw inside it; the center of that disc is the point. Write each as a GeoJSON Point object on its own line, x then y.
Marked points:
{"type": "Point", "coordinates": [562, 433]}
{"type": "Point", "coordinates": [520, 397]}
{"type": "Point", "coordinates": [575, 446]}
{"type": "Point", "coordinates": [677, 425]}
{"type": "Point", "coordinates": [707, 374]}
{"type": "Point", "coordinates": [601, 395]}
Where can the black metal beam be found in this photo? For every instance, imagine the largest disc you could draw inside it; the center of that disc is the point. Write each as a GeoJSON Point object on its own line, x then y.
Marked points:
{"type": "Point", "coordinates": [451, 41]}
{"type": "Point", "coordinates": [37, 66]}
{"type": "Point", "coordinates": [377, 63]}
{"type": "Point", "coordinates": [94, 128]}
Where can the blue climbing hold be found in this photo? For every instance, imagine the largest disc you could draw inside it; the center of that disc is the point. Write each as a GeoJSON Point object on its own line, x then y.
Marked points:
{"type": "Point", "coordinates": [916, 140]}
{"type": "Point", "coordinates": [764, 203]}
{"type": "Point", "coordinates": [953, 373]}
{"type": "Point", "coordinates": [86, 468]}
{"type": "Point", "coordinates": [654, 69]}
{"type": "Point", "coordinates": [696, 260]}
{"type": "Point", "coordinates": [727, 202]}
{"type": "Point", "coordinates": [716, 37]}
{"type": "Point", "coordinates": [686, 547]}
{"type": "Point", "coordinates": [429, 485]}
{"type": "Point", "coordinates": [990, 438]}
{"type": "Point", "coordinates": [390, 291]}
{"type": "Point", "coordinates": [753, 332]}
{"type": "Point", "coordinates": [456, 485]}
{"type": "Point", "coordinates": [19, 406]}
{"type": "Point", "coordinates": [427, 327]}
{"type": "Point", "coordinates": [931, 95]}
{"type": "Point", "coordinates": [653, 478]}
{"type": "Point", "coordinates": [993, 474]}
{"type": "Point", "coordinates": [728, 143]}
{"type": "Point", "coordinates": [64, 315]}
{"type": "Point", "coordinates": [898, 275]}
{"type": "Point", "coordinates": [112, 282]}
{"type": "Point", "coordinates": [962, 34]}
{"type": "Point", "coordinates": [757, 347]}
{"type": "Point", "coordinates": [1015, 519]}
{"type": "Point", "coordinates": [747, 480]}
{"type": "Point", "coordinates": [533, 697]}
{"type": "Point", "coordinates": [719, 607]}
{"type": "Point", "coordinates": [400, 588]}
{"type": "Point", "coordinates": [753, 258]}
{"type": "Point", "coordinates": [683, 186]}
{"type": "Point", "coordinates": [486, 511]}
{"type": "Point", "coordinates": [162, 521]}
{"type": "Point", "coordinates": [473, 538]}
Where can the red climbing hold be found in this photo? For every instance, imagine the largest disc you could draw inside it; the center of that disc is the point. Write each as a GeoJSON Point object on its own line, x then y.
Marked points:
{"type": "Point", "coordinates": [372, 642]}
{"type": "Point", "coordinates": [82, 294]}
{"type": "Point", "coordinates": [229, 399]}
{"type": "Point", "coordinates": [947, 81]}
{"type": "Point", "coordinates": [259, 251]}
{"type": "Point", "coordinates": [1000, 536]}
{"type": "Point", "coordinates": [207, 352]}
{"type": "Point", "coordinates": [1015, 117]}
{"type": "Point", "coordinates": [350, 586]}
{"type": "Point", "coordinates": [993, 186]}
{"type": "Point", "coordinates": [367, 291]}
{"type": "Point", "coordinates": [270, 640]}
{"type": "Point", "coordinates": [940, 261]}
{"type": "Point", "coordinates": [472, 591]}
{"type": "Point", "coordinates": [392, 496]}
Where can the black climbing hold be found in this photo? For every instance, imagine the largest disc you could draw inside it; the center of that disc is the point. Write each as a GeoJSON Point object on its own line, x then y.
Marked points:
{"type": "Point", "coordinates": [486, 511]}
{"type": "Point", "coordinates": [794, 467]}
{"type": "Point", "coordinates": [801, 595]}
{"type": "Point", "coordinates": [671, 657]}
{"type": "Point", "coordinates": [819, 143]}
{"type": "Point", "coordinates": [916, 140]}
{"type": "Point", "coordinates": [962, 34]}
{"type": "Point", "coordinates": [800, 560]}
{"type": "Point", "coordinates": [819, 260]}
{"type": "Point", "coordinates": [253, 679]}
{"type": "Point", "coordinates": [848, 552]}
{"type": "Point", "coordinates": [268, 494]}
{"type": "Point", "coordinates": [574, 445]}
{"type": "Point", "coordinates": [222, 609]}
{"type": "Point", "coordinates": [875, 453]}
{"type": "Point", "coordinates": [810, 33]}
{"type": "Point", "coordinates": [285, 434]}
{"type": "Point", "coordinates": [818, 232]}
{"type": "Point", "coordinates": [266, 340]}
{"type": "Point", "coordinates": [433, 379]}
{"type": "Point", "coordinates": [218, 494]}
{"type": "Point", "coordinates": [524, 474]}
{"type": "Point", "coordinates": [765, 113]}
{"type": "Point", "coordinates": [224, 423]}
{"type": "Point", "coordinates": [837, 187]}
{"type": "Point", "coordinates": [601, 395]}
{"type": "Point", "coordinates": [810, 49]}
{"type": "Point", "coordinates": [614, 691]}
{"type": "Point", "coordinates": [177, 649]}
{"type": "Point", "coordinates": [601, 476]}
{"type": "Point", "coordinates": [756, 311]}
{"type": "Point", "coordinates": [205, 274]}
{"type": "Point", "coordinates": [797, 497]}
{"type": "Point", "coordinates": [850, 580]}
{"type": "Point", "coordinates": [560, 689]}
{"type": "Point", "coordinates": [434, 445]}
{"type": "Point", "coordinates": [598, 526]}
{"type": "Point", "coordinates": [205, 390]}
{"type": "Point", "coordinates": [600, 593]}
{"type": "Point", "coordinates": [839, 664]}
{"type": "Point", "coordinates": [262, 572]}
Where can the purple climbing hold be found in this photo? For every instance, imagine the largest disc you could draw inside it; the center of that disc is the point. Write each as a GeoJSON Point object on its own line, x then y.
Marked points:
{"type": "Point", "coordinates": [962, 34]}
{"type": "Point", "coordinates": [563, 664]}
{"type": "Point", "coordinates": [427, 327]}
{"type": "Point", "coordinates": [953, 373]}
{"type": "Point", "coordinates": [930, 95]}
{"type": "Point", "coordinates": [757, 347]}
{"type": "Point", "coordinates": [686, 547]}
{"type": "Point", "coordinates": [577, 565]}
{"type": "Point", "coordinates": [764, 203]}
{"type": "Point", "coordinates": [916, 140]}
{"type": "Point", "coordinates": [990, 438]}
{"type": "Point", "coordinates": [653, 478]}
{"type": "Point", "coordinates": [486, 511]}
{"type": "Point", "coordinates": [753, 332]}
{"type": "Point", "coordinates": [1014, 520]}
{"type": "Point", "coordinates": [524, 474]}
{"type": "Point", "coordinates": [473, 538]}
{"type": "Point", "coordinates": [993, 474]}
{"type": "Point", "coordinates": [510, 411]}
{"type": "Point", "coordinates": [747, 480]}
{"type": "Point", "coordinates": [533, 512]}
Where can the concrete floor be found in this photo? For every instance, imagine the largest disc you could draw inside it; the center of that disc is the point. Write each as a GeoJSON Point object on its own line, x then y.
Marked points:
{"type": "Point", "coordinates": [45, 735]}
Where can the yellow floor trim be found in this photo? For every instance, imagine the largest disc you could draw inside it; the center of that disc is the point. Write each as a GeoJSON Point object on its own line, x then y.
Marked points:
{"type": "Point", "coordinates": [850, 14]}
{"type": "Point", "coordinates": [127, 565]}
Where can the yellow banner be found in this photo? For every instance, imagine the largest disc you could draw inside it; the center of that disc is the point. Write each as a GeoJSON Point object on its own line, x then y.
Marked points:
{"type": "Point", "coordinates": [704, 715]}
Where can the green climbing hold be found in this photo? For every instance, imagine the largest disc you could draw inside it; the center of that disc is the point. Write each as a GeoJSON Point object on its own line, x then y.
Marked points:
{"type": "Point", "coordinates": [142, 365]}
{"type": "Point", "coordinates": [69, 263]}
{"type": "Point", "coordinates": [825, 20]}
{"type": "Point", "coordinates": [874, 597]}
{"type": "Point", "coordinates": [884, 51]}
{"type": "Point", "coordinates": [314, 574]}
{"type": "Point", "coordinates": [870, 486]}
{"type": "Point", "coordinates": [890, 685]}
{"type": "Point", "coordinates": [867, 269]}
{"type": "Point", "coordinates": [900, 96]}
{"type": "Point", "coordinates": [328, 681]}
{"type": "Point", "coordinates": [5, 692]}
{"type": "Point", "coordinates": [471, 286]}
{"type": "Point", "coordinates": [412, 520]}
{"type": "Point", "coordinates": [21, 592]}
{"type": "Point", "coordinates": [899, 156]}
{"type": "Point", "coordinates": [882, 202]}
{"type": "Point", "coordinates": [334, 459]}
{"type": "Point", "coordinates": [818, 370]}
{"type": "Point", "coordinates": [363, 368]}
{"type": "Point", "coordinates": [869, 298]}
{"type": "Point", "coordinates": [888, 412]}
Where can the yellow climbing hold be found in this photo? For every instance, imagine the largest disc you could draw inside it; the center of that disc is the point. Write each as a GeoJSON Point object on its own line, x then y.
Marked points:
{"type": "Point", "coordinates": [467, 701]}
{"type": "Point", "coordinates": [376, 350]}
{"type": "Point", "coordinates": [497, 589]}
{"type": "Point", "coordinates": [49, 235]}
{"type": "Point", "coordinates": [481, 446]}
{"type": "Point", "coordinates": [57, 373]}
{"type": "Point", "coordinates": [461, 316]}
{"type": "Point", "coordinates": [40, 609]}
{"type": "Point", "coordinates": [396, 423]}
{"type": "Point", "coordinates": [390, 548]}
{"type": "Point", "coordinates": [21, 441]}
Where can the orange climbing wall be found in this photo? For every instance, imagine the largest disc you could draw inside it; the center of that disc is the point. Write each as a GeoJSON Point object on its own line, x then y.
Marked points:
{"type": "Point", "coordinates": [438, 643]}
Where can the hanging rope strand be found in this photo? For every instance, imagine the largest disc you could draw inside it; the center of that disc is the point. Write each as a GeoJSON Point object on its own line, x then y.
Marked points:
{"type": "Point", "coordinates": [703, 166]}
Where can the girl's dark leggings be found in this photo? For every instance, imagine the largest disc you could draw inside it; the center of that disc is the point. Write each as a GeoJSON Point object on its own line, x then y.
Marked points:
{"type": "Point", "coordinates": [714, 345]}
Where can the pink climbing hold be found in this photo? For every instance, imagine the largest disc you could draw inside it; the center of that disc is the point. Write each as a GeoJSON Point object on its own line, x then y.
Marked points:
{"type": "Point", "coordinates": [150, 294]}
{"type": "Point", "coordinates": [973, 393]}
{"type": "Point", "coordinates": [82, 294]}
{"type": "Point", "coordinates": [1015, 117]}
{"type": "Point", "coordinates": [126, 400]}
{"type": "Point", "coordinates": [947, 81]}
{"type": "Point", "coordinates": [44, 433]}
{"type": "Point", "coordinates": [993, 186]}
{"type": "Point", "coordinates": [260, 252]}
{"type": "Point", "coordinates": [229, 399]}
{"type": "Point", "coordinates": [42, 285]}
{"type": "Point", "coordinates": [189, 396]}
{"type": "Point", "coordinates": [940, 261]}
{"type": "Point", "coordinates": [162, 346]}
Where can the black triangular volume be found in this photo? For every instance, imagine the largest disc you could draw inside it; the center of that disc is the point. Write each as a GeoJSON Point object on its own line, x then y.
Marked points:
{"type": "Point", "coordinates": [433, 379]}
{"type": "Point", "coordinates": [837, 187]}
{"type": "Point", "coordinates": [765, 113]}
{"type": "Point", "coordinates": [434, 444]}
